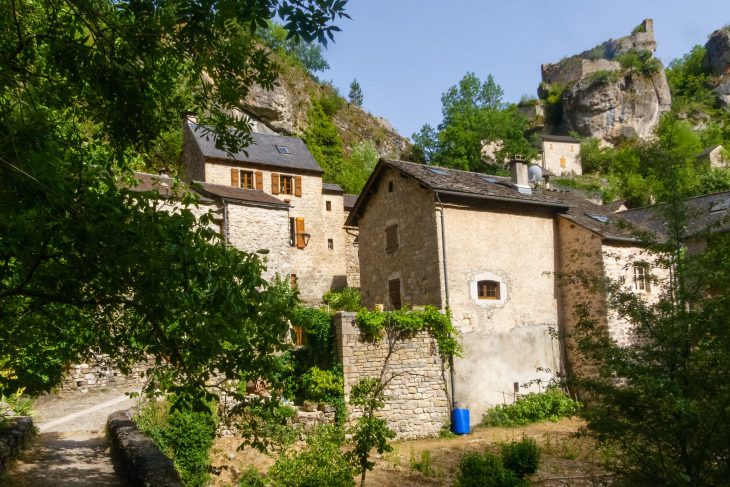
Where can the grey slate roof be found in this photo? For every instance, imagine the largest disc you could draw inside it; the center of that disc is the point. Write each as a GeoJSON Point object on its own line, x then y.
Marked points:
{"type": "Point", "coordinates": [558, 138]}
{"type": "Point", "coordinates": [707, 151]}
{"type": "Point", "coordinates": [600, 219]}
{"type": "Point", "coordinates": [165, 186]}
{"type": "Point", "coordinates": [349, 201]}
{"type": "Point", "coordinates": [262, 151]}
{"type": "Point", "coordinates": [706, 213]}
{"type": "Point", "coordinates": [238, 194]}
{"type": "Point", "coordinates": [332, 188]}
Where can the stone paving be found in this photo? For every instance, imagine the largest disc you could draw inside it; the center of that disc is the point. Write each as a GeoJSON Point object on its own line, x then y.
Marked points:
{"type": "Point", "coordinates": [71, 449]}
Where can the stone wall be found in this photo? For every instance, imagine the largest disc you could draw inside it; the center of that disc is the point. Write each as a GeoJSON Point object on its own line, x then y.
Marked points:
{"type": "Point", "coordinates": [568, 152]}
{"type": "Point", "coordinates": [97, 373]}
{"type": "Point", "coordinates": [417, 404]}
{"type": "Point", "coordinates": [352, 256]}
{"type": "Point", "coordinates": [415, 261]}
{"type": "Point", "coordinates": [574, 68]}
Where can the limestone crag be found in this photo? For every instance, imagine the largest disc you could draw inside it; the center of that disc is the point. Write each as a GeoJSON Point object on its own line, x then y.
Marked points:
{"type": "Point", "coordinates": [272, 107]}
{"type": "Point", "coordinates": [717, 60]}
{"type": "Point", "coordinates": [617, 110]}
{"type": "Point", "coordinates": [603, 100]}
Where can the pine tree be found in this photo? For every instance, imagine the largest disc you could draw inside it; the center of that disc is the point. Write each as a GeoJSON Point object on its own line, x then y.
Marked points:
{"type": "Point", "coordinates": [355, 94]}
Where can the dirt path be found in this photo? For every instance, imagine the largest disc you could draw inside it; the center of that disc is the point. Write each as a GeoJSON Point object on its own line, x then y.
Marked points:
{"type": "Point", "coordinates": [71, 449]}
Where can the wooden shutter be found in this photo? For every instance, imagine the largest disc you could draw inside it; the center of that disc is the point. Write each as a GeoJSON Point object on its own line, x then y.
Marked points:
{"type": "Point", "coordinates": [234, 178]}
{"type": "Point", "coordinates": [274, 183]}
{"type": "Point", "coordinates": [298, 186]}
{"type": "Point", "coordinates": [259, 181]}
{"type": "Point", "coordinates": [300, 232]}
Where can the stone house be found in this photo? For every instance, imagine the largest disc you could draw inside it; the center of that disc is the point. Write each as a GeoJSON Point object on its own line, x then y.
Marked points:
{"type": "Point", "coordinates": [274, 198]}
{"type": "Point", "coordinates": [492, 250]}
{"type": "Point", "coordinates": [712, 157]}
{"type": "Point", "coordinates": [560, 154]}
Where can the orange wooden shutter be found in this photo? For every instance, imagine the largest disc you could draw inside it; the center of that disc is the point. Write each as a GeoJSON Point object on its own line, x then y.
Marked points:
{"type": "Point", "coordinates": [234, 178]}
{"type": "Point", "coordinates": [298, 186]}
{"type": "Point", "coordinates": [300, 233]}
{"type": "Point", "coordinates": [259, 181]}
{"type": "Point", "coordinates": [274, 183]}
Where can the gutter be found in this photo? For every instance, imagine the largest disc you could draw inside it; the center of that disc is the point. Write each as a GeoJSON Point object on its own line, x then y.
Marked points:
{"type": "Point", "coordinates": [446, 295]}
{"type": "Point", "coordinates": [500, 198]}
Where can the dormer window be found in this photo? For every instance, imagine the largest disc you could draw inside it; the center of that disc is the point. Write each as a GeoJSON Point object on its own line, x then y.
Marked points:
{"type": "Point", "coordinates": [282, 149]}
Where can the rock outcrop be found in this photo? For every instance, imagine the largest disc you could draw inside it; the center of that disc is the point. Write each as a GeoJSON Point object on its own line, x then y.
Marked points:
{"type": "Point", "coordinates": [605, 100]}
{"type": "Point", "coordinates": [717, 60]}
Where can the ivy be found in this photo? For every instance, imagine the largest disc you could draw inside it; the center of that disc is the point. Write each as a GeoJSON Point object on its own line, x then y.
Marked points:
{"type": "Point", "coordinates": [408, 323]}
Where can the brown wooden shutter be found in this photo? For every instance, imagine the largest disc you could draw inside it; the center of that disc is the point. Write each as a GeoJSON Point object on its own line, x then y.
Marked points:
{"type": "Point", "coordinates": [300, 233]}
{"type": "Point", "coordinates": [234, 178]}
{"type": "Point", "coordinates": [298, 186]}
{"type": "Point", "coordinates": [274, 183]}
{"type": "Point", "coordinates": [259, 181]}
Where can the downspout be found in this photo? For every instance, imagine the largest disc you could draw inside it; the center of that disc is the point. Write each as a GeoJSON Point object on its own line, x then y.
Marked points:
{"type": "Point", "coordinates": [225, 220]}
{"type": "Point", "coordinates": [446, 295]}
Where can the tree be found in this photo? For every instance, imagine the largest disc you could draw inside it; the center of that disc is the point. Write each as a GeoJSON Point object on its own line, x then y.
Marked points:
{"type": "Point", "coordinates": [473, 115]}
{"type": "Point", "coordinates": [86, 90]}
{"type": "Point", "coordinates": [308, 54]}
{"type": "Point", "coordinates": [355, 94]}
{"type": "Point", "coordinates": [662, 402]}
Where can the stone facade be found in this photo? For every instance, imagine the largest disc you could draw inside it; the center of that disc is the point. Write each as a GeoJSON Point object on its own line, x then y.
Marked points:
{"type": "Point", "coordinates": [417, 404]}
{"type": "Point", "coordinates": [561, 157]}
{"type": "Point", "coordinates": [97, 373]}
{"type": "Point", "coordinates": [414, 262]}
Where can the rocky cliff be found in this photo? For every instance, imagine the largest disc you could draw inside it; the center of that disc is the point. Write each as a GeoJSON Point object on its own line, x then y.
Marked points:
{"type": "Point", "coordinates": [717, 60]}
{"type": "Point", "coordinates": [285, 110]}
{"type": "Point", "coordinates": [615, 91]}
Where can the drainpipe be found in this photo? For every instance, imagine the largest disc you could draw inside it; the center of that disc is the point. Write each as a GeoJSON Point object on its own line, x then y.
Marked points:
{"type": "Point", "coordinates": [446, 295]}
{"type": "Point", "coordinates": [225, 220]}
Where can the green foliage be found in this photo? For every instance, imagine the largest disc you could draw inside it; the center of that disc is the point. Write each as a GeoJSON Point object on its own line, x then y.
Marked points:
{"type": "Point", "coordinates": [522, 457]}
{"type": "Point", "coordinates": [252, 478]}
{"type": "Point", "coordinates": [264, 423]}
{"type": "Point", "coordinates": [184, 435]}
{"type": "Point", "coordinates": [322, 138]}
{"type": "Point", "coordinates": [473, 113]}
{"type": "Point", "coordinates": [308, 55]}
{"type": "Point", "coordinates": [319, 348]}
{"type": "Point", "coordinates": [639, 28]}
{"type": "Point", "coordinates": [604, 76]}
{"type": "Point", "coordinates": [642, 62]}
{"type": "Point", "coordinates": [551, 405]}
{"type": "Point", "coordinates": [347, 299]}
{"type": "Point", "coordinates": [422, 465]}
{"type": "Point", "coordinates": [320, 463]}
{"type": "Point", "coordinates": [323, 385]}
{"type": "Point", "coordinates": [355, 94]}
{"type": "Point", "coordinates": [358, 166]}
{"type": "Point", "coordinates": [554, 104]}
{"type": "Point", "coordinates": [485, 470]}
{"type": "Point", "coordinates": [18, 402]}
{"type": "Point", "coordinates": [690, 83]}
{"type": "Point", "coordinates": [403, 324]}
{"type": "Point", "coordinates": [715, 180]}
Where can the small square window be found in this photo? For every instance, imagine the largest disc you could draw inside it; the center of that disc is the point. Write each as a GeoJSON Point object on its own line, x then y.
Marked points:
{"type": "Point", "coordinates": [328, 205]}
{"type": "Point", "coordinates": [282, 149]}
{"type": "Point", "coordinates": [488, 290]}
{"type": "Point", "coordinates": [330, 243]}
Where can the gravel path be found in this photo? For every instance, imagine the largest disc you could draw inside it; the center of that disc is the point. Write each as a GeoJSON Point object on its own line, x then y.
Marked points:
{"type": "Point", "coordinates": [71, 449]}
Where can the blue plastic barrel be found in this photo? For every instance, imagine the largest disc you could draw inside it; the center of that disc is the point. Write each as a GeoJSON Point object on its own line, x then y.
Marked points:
{"type": "Point", "coordinates": [460, 421]}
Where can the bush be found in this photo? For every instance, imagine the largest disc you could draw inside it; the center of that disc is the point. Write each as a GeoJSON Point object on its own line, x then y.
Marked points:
{"type": "Point", "coordinates": [347, 299]}
{"type": "Point", "coordinates": [252, 478]}
{"type": "Point", "coordinates": [322, 385]}
{"type": "Point", "coordinates": [522, 457]}
{"type": "Point", "coordinates": [320, 463]}
{"type": "Point", "coordinates": [185, 436]}
{"type": "Point", "coordinates": [550, 405]}
{"type": "Point", "coordinates": [485, 470]}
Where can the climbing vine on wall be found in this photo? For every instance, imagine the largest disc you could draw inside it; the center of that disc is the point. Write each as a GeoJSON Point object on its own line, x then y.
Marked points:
{"type": "Point", "coordinates": [406, 324]}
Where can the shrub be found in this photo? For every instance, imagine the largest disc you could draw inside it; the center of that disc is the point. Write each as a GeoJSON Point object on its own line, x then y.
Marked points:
{"type": "Point", "coordinates": [485, 470]}
{"type": "Point", "coordinates": [252, 478]}
{"type": "Point", "coordinates": [183, 435]}
{"type": "Point", "coordinates": [321, 462]}
{"type": "Point", "coordinates": [347, 299]}
{"type": "Point", "coordinates": [18, 403]}
{"type": "Point", "coordinates": [550, 405]}
{"type": "Point", "coordinates": [423, 465]}
{"type": "Point", "coordinates": [322, 385]}
{"type": "Point", "coordinates": [522, 457]}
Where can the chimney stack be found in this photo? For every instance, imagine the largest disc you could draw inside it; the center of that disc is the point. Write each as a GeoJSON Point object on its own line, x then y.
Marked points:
{"type": "Point", "coordinates": [518, 173]}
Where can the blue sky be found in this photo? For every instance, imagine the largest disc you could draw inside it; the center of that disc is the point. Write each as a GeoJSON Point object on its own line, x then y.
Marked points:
{"type": "Point", "coordinates": [406, 53]}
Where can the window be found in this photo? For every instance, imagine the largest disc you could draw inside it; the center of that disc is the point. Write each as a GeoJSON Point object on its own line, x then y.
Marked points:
{"type": "Point", "coordinates": [283, 184]}
{"type": "Point", "coordinates": [488, 290]}
{"type": "Point", "coordinates": [391, 238]}
{"type": "Point", "coordinates": [282, 149]}
{"type": "Point", "coordinates": [562, 162]}
{"type": "Point", "coordinates": [330, 243]}
{"type": "Point", "coordinates": [328, 205]}
{"type": "Point", "coordinates": [394, 293]}
{"type": "Point", "coordinates": [292, 280]}
{"type": "Point", "coordinates": [391, 186]}
{"type": "Point", "coordinates": [641, 278]}
{"type": "Point", "coordinates": [297, 237]}
{"type": "Point", "coordinates": [298, 336]}
{"type": "Point", "coordinates": [247, 179]}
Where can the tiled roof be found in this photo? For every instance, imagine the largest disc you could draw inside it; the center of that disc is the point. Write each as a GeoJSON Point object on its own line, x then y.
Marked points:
{"type": "Point", "coordinates": [706, 213]}
{"type": "Point", "coordinates": [601, 219]}
{"type": "Point", "coordinates": [559, 138]}
{"type": "Point", "coordinates": [238, 194]}
{"type": "Point", "coordinates": [266, 150]}
{"type": "Point", "coordinates": [165, 186]}
{"type": "Point", "coordinates": [332, 188]}
{"type": "Point", "coordinates": [441, 179]}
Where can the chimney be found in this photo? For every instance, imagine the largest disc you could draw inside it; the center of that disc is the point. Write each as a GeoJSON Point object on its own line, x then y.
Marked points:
{"type": "Point", "coordinates": [518, 173]}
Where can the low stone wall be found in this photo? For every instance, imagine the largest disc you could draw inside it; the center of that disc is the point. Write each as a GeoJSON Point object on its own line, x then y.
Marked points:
{"type": "Point", "coordinates": [417, 404]}
{"type": "Point", "coordinates": [141, 460]}
{"type": "Point", "coordinates": [13, 436]}
{"type": "Point", "coordinates": [98, 373]}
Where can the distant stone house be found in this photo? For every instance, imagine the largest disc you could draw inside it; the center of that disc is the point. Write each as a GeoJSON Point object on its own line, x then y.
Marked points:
{"type": "Point", "coordinates": [712, 157]}
{"type": "Point", "coordinates": [274, 199]}
{"type": "Point", "coordinates": [492, 250]}
{"type": "Point", "coordinates": [560, 154]}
